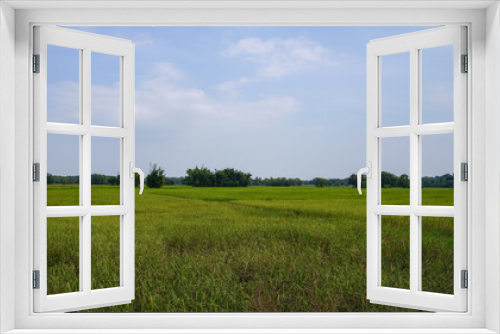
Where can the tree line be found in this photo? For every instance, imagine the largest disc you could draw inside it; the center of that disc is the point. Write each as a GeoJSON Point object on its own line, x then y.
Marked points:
{"type": "Point", "coordinates": [230, 177]}
{"type": "Point", "coordinates": [96, 179]}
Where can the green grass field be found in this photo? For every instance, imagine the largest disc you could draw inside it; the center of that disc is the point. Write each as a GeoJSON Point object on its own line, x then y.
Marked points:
{"type": "Point", "coordinates": [256, 249]}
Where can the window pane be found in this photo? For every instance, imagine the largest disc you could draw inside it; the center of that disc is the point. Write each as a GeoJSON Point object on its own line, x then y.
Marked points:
{"type": "Point", "coordinates": [437, 170]}
{"type": "Point", "coordinates": [395, 89]}
{"type": "Point", "coordinates": [105, 251]}
{"type": "Point", "coordinates": [437, 84]}
{"type": "Point", "coordinates": [105, 90]}
{"type": "Point", "coordinates": [63, 170]}
{"type": "Point", "coordinates": [395, 171]}
{"type": "Point", "coordinates": [437, 254]}
{"type": "Point", "coordinates": [105, 176]}
{"type": "Point", "coordinates": [63, 258]}
{"type": "Point", "coordinates": [63, 85]}
{"type": "Point", "coordinates": [395, 251]}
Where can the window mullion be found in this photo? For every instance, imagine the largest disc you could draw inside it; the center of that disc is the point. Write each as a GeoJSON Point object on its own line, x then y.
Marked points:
{"type": "Point", "coordinates": [418, 180]}
{"type": "Point", "coordinates": [85, 186]}
{"type": "Point", "coordinates": [414, 170]}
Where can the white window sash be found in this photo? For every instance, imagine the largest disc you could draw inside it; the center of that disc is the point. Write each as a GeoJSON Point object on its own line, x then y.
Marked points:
{"type": "Point", "coordinates": [413, 43]}
{"type": "Point", "coordinates": [86, 297]}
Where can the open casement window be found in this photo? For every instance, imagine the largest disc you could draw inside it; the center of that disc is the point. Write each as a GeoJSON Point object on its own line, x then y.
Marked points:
{"type": "Point", "coordinates": [420, 125]}
{"type": "Point", "coordinates": [82, 216]}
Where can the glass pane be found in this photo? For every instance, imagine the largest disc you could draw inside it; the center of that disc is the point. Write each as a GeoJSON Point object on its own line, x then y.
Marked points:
{"type": "Point", "coordinates": [395, 89]}
{"type": "Point", "coordinates": [105, 176]}
{"type": "Point", "coordinates": [437, 84]}
{"type": "Point", "coordinates": [105, 252]}
{"type": "Point", "coordinates": [63, 170]}
{"type": "Point", "coordinates": [63, 258]}
{"type": "Point", "coordinates": [63, 85]}
{"type": "Point", "coordinates": [437, 169]}
{"type": "Point", "coordinates": [437, 254]}
{"type": "Point", "coordinates": [105, 90]}
{"type": "Point", "coordinates": [395, 251]}
{"type": "Point", "coordinates": [395, 171]}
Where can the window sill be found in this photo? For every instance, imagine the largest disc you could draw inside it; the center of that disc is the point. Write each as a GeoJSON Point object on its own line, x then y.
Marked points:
{"type": "Point", "coordinates": [250, 331]}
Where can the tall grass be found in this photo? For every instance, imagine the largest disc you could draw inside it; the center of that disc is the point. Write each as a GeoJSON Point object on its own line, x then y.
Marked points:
{"type": "Point", "coordinates": [256, 249]}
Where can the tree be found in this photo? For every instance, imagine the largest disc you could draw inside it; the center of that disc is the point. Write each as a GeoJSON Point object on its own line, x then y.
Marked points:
{"type": "Point", "coordinates": [137, 180]}
{"type": "Point", "coordinates": [229, 177]}
{"type": "Point", "coordinates": [389, 180]}
{"type": "Point", "coordinates": [297, 182]}
{"type": "Point", "coordinates": [352, 180]}
{"type": "Point", "coordinates": [257, 181]}
{"type": "Point", "coordinates": [199, 177]}
{"type": "Point", "coordinates": [404, 181]}
{"type": "Point", "coordinates": [50, 178]}
{"type": "Point", "coordinates": [172, 180]}
{"type": "Point", "coordinates": [320, 182]}
{"type": "Point", "coordinates": [114, 180]}
{"type": "Point", "coordinates": [156, 177]}
{"type": "Point", "coordinates": [97, 179]}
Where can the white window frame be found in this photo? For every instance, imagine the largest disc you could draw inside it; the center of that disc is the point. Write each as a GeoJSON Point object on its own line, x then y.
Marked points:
{"type": "Point", "coordinates": [414, 44]}
{"type": "Point", "coordinates": [123, 50]}
{"type": "Point", "coordinates": [16, 215]}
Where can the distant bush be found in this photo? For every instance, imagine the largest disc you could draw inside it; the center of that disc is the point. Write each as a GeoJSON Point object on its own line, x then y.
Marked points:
{"type": "Point", "coordinates": [443, 181]}
{"type": "Point", "coordinates": [390, 180]}
{"type": "Point", "coordinates": [174, 181]}
{"type": "Point", "coordinates": [156, 177]}
{"type": "Point", "coordinates": [229, 177]}
{"type": "Point", "coordinates": [404, 181]}
{"type": "Point", "coordinates": [137, 180]}
{"type": "Point", "coordinates": [352, 180]}
{"type": "Point", "coordinates": [114, 180]}
{"type": "Point", "coordinates": [56, 179]}
{"type": "Point", "coordinates": [278, 182]}
{"type": "Point", "coordinates": [97, 179]}
{"type": "Point", "coordinates": [320, 182]}
{"type": "Point", "coordinates": [199, 177]}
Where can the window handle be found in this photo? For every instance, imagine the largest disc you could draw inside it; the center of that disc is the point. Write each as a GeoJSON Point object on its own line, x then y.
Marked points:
{"type": "Point", "coordinates": [368, 171]}
{"type": "Point", "coordinates": [139, 171]}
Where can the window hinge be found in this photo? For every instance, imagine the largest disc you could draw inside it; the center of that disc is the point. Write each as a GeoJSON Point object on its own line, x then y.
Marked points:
{"type": "Point", "coordinates": [36, 279]}
{"type": "Point", "coordinates": [36, 63]}
{"type": "Point", "coordinates": [465, 279]}
{"type": "Point", "coordinates": [464, 168]}
{"type": "Point", "coordinates": [465, 64]}
{"type": "Point", "coordinates": [36, 172]}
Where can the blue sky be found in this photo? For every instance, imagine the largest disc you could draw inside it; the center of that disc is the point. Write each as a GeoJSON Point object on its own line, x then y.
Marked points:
{"type": "Point", "coordinates": [272, 101]}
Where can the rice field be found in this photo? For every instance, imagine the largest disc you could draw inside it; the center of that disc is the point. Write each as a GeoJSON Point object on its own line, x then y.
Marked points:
{"type": "Point", "coordinates": [256, 249]}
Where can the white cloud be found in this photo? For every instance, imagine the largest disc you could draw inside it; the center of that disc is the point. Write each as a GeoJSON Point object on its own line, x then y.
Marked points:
{"type": "Point", "coordinates": [167, 72]}
{"type": "Point", "coordinates": [278, 57]}
{"type": "Point", "coordinates": [439, 93]}
{"type": "Point", "coordinates": [105, 105]}
{"type": "Point", "coordinates": [232, 85]}
{"type": "Point", "coordinates": [63, 102]}
{"type": "Point", "coordinates": [143, 42]}
{"type": "Point", "coordinates": [163, 98]}
{"type": "Point", "coordinates": [142, 39]}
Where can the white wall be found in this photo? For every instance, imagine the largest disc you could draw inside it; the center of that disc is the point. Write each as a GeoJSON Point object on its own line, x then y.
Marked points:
{"type": "Point", "coordinates": [22, 136]}
{"type": "Point", "coordinates": [493, 164]}
{"type": "Point", "coordinates": [7, 157]}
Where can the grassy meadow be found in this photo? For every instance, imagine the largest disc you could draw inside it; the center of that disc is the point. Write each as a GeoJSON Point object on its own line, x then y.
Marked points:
{"type": "Point", "coordinates": [256, 249]}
